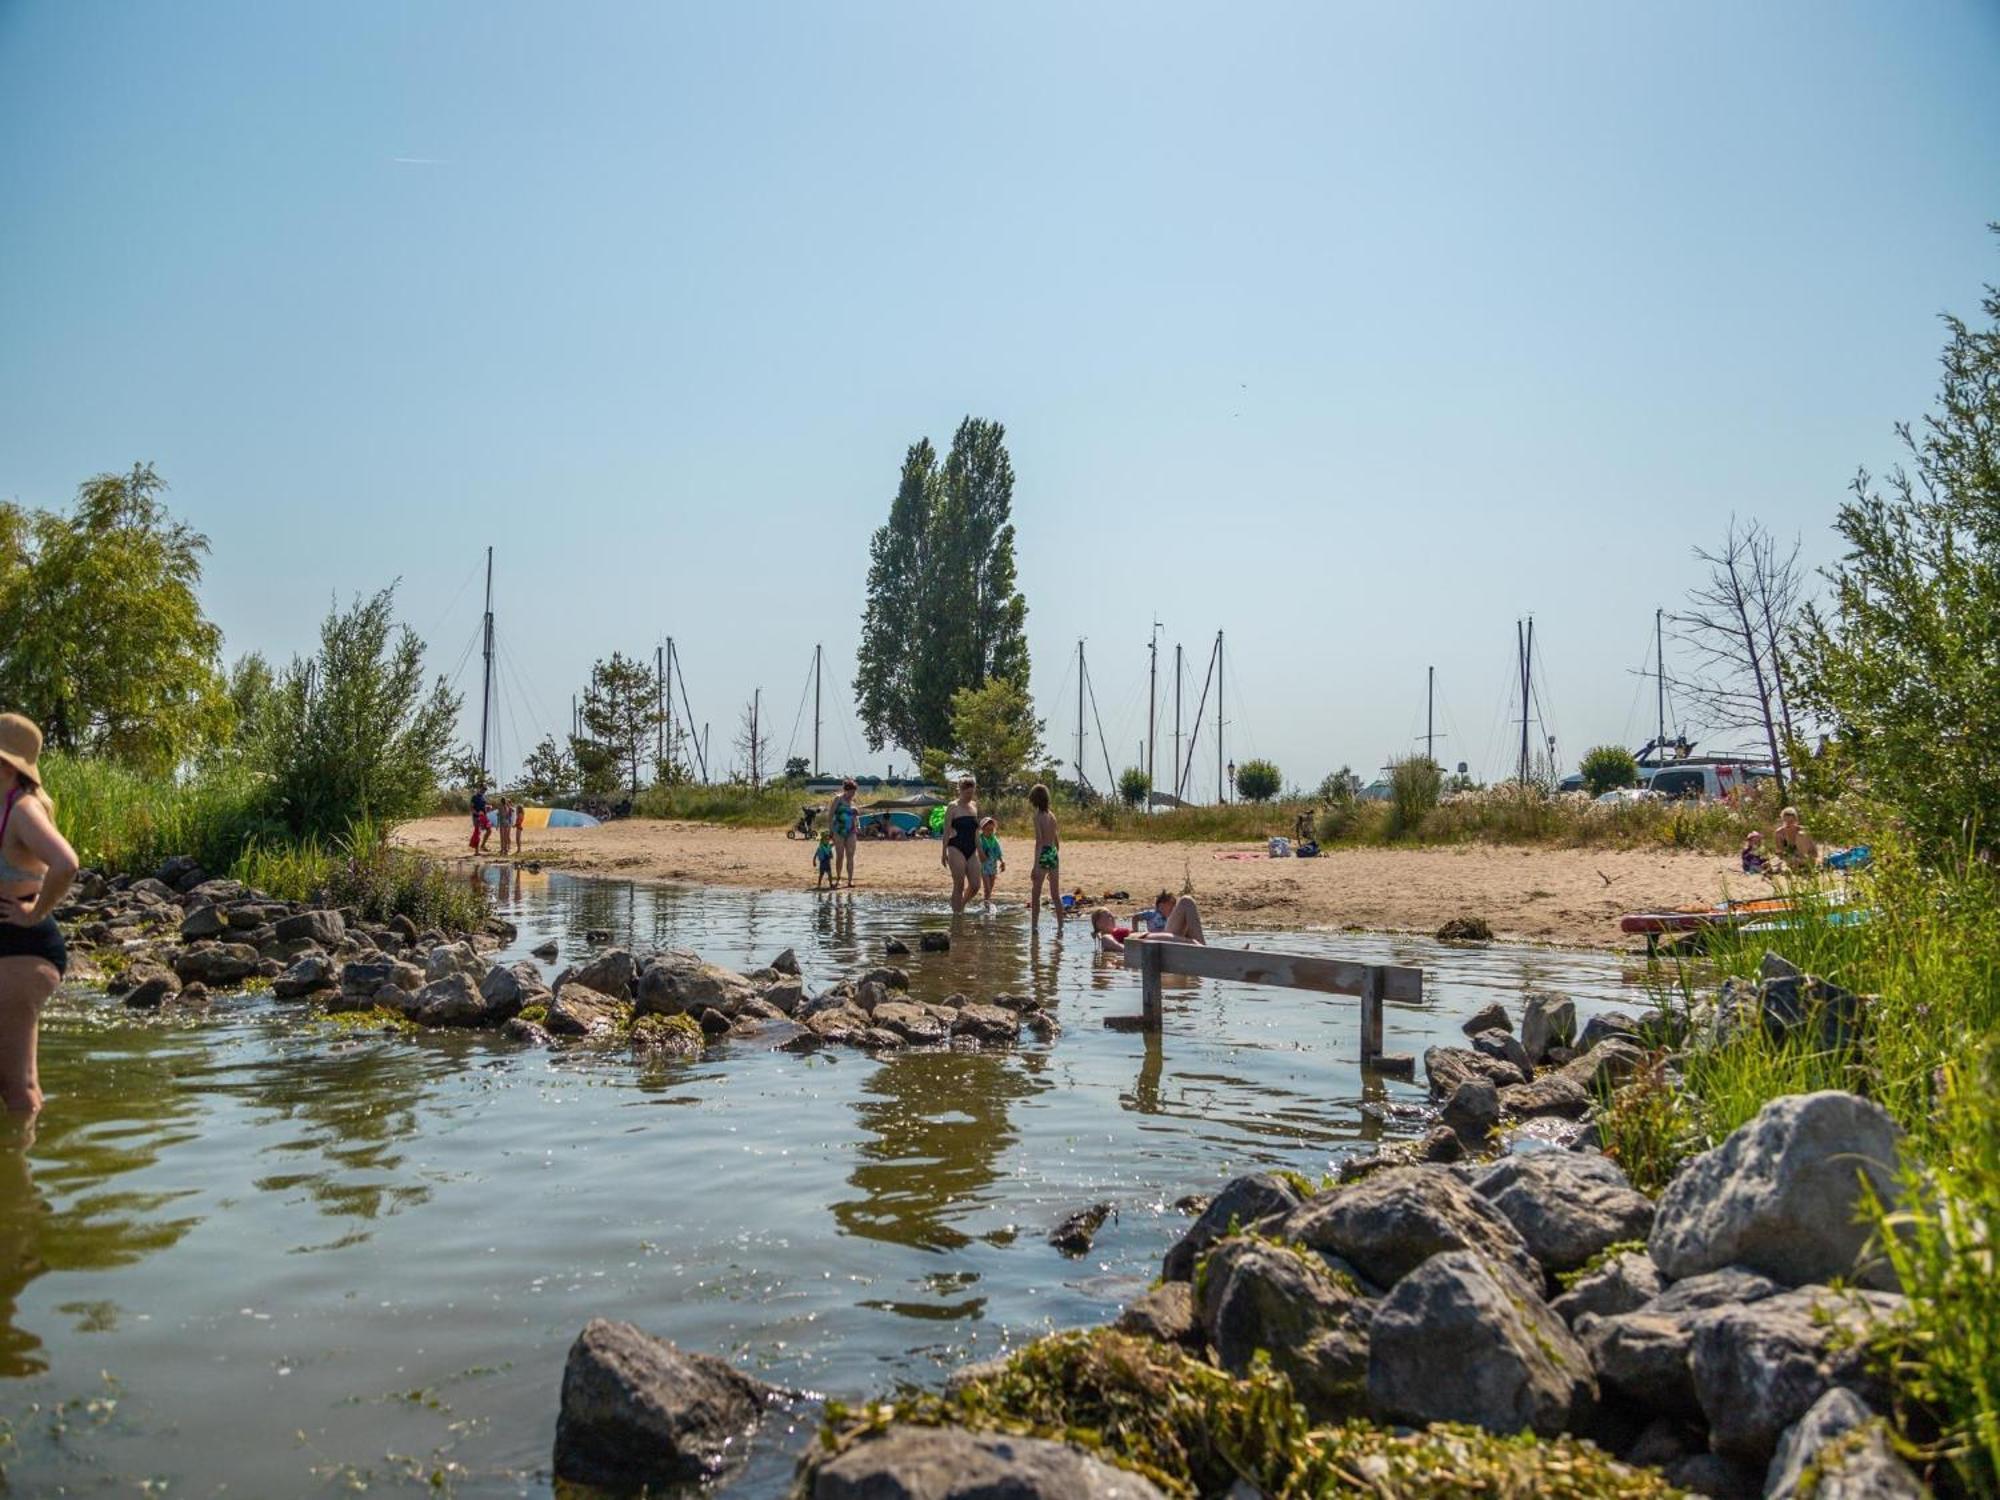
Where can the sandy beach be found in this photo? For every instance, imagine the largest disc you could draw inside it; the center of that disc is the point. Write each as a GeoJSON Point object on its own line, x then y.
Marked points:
{"type": "Point", "coordinates": [1567, 896]}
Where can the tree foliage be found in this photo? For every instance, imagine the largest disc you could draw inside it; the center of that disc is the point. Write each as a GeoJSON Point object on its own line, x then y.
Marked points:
{"type": "Point", "coordinates": [548, 774]}
{"type": "Point", "coordinates": [1258, 781]}
{"type": "Point", "coordinates": [107, 647]}
{"type": "Point", "coordinates": [1134, 785]}
{"type": "Point", "coordinates": [996, 731]}
{"type": "Point", "coordinates": [1340, 787]}
{"type": "Point", "coordinates": [943, 612]}
{"type": "Point", "coordinates": [1606, 767]}
{"type": "Point", "coordinates": [622, 714]}
{"type": "Point", "coordinates": [1415, 784]}
{"type": "Point", "coordinates": [354, 734]}
{"type": "Point", "coordinates": [1905, 660]}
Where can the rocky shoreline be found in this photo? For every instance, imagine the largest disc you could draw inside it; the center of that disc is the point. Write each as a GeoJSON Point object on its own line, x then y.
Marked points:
{"type": "Point", "coordinates": [1529, 1323]}
{"type": "Point", "coordinates": [178, 938]}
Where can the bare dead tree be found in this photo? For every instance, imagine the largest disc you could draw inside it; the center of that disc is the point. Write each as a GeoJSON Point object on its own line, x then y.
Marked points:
{"type": "Point", "coordinates": [752, 741]}
{"type": "Point", "coordinates": [1733, 627]}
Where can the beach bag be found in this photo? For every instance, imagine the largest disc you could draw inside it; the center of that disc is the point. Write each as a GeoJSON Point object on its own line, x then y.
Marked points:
{"type": "Point", "coordinates": [1281, 848]}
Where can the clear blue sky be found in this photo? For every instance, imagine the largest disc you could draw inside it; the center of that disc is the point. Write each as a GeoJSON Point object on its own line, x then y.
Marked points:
{"type": "Point", "coordinates": [1355, 331]}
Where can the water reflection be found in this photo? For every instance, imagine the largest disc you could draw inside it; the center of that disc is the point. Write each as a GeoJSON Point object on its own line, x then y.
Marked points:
{"type": "Point", "coordinates": [938, 1125]}
{"type": "Point", "coordinates": [115, 1109]}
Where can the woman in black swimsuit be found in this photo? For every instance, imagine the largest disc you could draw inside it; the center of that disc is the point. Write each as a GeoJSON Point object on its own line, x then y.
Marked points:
{"type": "Point", "coordinates": [961, 845]}
{"type": "Point", "coordinates": [36, 868]}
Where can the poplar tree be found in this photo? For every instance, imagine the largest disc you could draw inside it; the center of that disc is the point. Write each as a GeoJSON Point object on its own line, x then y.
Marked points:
{"type": "Point", "coordinates": [944, 610]}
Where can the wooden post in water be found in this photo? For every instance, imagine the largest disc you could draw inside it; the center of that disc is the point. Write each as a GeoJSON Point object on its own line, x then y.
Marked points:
{"type": "Point", "coordinates": [1371, 1015]}
{"type": "Point", "coordinates": [1151, 1000]}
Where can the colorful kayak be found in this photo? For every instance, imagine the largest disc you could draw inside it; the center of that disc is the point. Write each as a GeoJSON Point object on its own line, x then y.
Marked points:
{"type": "Point", "coordinates": [555, 817]}
{"type": "Point", "coordinates": [1699, 918]}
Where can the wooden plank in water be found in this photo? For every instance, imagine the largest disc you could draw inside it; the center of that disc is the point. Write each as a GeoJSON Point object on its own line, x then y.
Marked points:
{"type": "Point", "coordinates": [1330, 976]}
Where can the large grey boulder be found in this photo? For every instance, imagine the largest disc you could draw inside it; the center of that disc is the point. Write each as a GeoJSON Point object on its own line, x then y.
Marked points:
{"type": "Point", "coordinates": [679, 981]}
{"type": "Point", "coordinates": [1256, 1295]}
{"type": "Point", "coordinates": [326, 928]}
{"type": "Point", "coordinates": [1547, 1021]}
{"type": "Point", "coordinates": [912, 1023]}
{"type": "Point", "coordinates": [1464, 1339]}
{"type": "Point", "coordinates": [1392, 1221]}
{"type": "Point", "coordinates": [1166, 1313]}
{"type": "Point", "coordinates": [1240, 1204]}
{"type": "Point", "coordinates": [1758, 1369]}
{"type": "Point", "coordinates": [612, 972]}
{"type": "Point", "coordinates": [218, 965]}
{"type": "Point", "coordinates": [1607, 1024]}
{"type": "Point", "coordinates": [365, 978]}
{"type": "Point", "coordinates": [1837, 1451]}
{"type": "Point", "coordinates": [1568, 1205]}
{"type": "Point", "coordinates": [1624, 1283]}
{"type": "Point", "coordinates": [1644, 1355]}
{"type": "Point", "coordinates": [1491, 1017]}
{"type": "Point", "coordinates": [987, 1024]}
{"type": "Point", "coordinates": [1473, 1108]}
{"type": "Point", "coordinates": [948, 1463]}
{"type": "Point", "coordinates": [1502, 1044]}
{"type": "Point", "coordinates": [450, 1001]}
{"type": "Point", "coordinates": [508, 988]}
{"type": "Point", "coordinates": [445, 959]}
{"type": "Point", "coordinates": [637, 1411]}
{"type": "Point", "coordinates": [203, 922]}
{"type": "Point", "coordinates": [1783, 1194]}
{"type": "Point", "coordinates": [306, 976]}
{"type": "Point", "coordinates": [577, 1011]}
{"type": "Point", "coordinates": [1445, 1068]}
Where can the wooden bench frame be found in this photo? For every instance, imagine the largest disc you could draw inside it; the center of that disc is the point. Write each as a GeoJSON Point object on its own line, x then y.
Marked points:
{"type": "Point", "coordinates": [1373, 983]}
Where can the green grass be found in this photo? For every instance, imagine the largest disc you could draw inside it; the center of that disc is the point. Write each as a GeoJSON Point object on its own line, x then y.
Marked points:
{"type": "Point", "coordinates": [125, 822]}
{"type": "Point", "coordinates": [732, 805]}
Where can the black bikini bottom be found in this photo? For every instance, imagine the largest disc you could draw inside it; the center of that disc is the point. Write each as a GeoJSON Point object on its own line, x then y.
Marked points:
{"type": "Point", "coordinates": [43, 940]}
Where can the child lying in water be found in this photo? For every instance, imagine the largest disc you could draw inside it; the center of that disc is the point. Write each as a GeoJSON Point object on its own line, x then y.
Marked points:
{"type": "Point", "coordinates": [1173, 919]}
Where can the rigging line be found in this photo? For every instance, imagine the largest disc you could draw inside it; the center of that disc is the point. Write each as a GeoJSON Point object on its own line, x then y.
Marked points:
{"type": "Point", "coordinates": [470, 574]}
{"type": "Point", "coordinates": [693, 734]}
{"type": "Point", "coordinates": [805, 691]}
{"type": "Point", "coordinates": [1110, 776]}
{"type": "Point", "coordinates": [466, 655]}
{"type": "Point", "coordinates": [1194, 735]}
{"type": "Point", "coordinates": [509, 670]}
{"type": "Point", "coordinates": [532, 698]}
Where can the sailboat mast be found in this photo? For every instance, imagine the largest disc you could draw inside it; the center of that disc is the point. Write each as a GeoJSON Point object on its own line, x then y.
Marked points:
{"type": "Point", "coordinates": [1660, 683]}
{"type": "Point", "coordinates": [1081, 779]}
{"type": "Point", "coordinates": [1430, 714]}
{"type": "Point", "coordinates": [1221, 794]}
{"type": "Point", "coordinates": [1521, 650]}
{"type": "Point", "coordinates": [817, 650]}
{"type": "Point", "coordinates": [659, 708]}
{"type": "Point", "coordinates": [486, 687]}
{"type": "Point", "coordinates": [1177, 718]}
{"type": "Point", "coordinates": [1152, 703]}
{"type": "Point", "coordinates": [667, 723]}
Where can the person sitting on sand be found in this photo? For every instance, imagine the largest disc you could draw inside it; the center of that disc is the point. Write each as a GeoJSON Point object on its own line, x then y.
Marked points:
{"type": "Point", "coordinates": [1794, 845]}
{"type": "Point", "coordinates": [1753, 859]}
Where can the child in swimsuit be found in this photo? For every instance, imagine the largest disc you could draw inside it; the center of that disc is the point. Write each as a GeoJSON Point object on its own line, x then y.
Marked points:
{"type": "Point", "coordinates": [991, 861]}
{"type": "Point", "coordinates": [1048, 859]}
{"type": "Point", "coordinates": [823, 857]}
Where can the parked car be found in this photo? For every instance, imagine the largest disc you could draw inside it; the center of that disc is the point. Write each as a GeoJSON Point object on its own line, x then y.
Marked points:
{"type": "Point", "coordinates": [1713, 779]}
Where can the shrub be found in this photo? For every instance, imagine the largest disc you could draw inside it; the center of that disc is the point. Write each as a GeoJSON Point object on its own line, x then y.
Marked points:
{"type": "Point", "coordinates": [1339, 787]}
{"type": "Point", "coordinates": [1133, 786]}
{"type": "Point", "coordinates": [1258, 781]}
{"type": "Point", "coordinates": [1608, 767]}
{"type": "Point", "coordinates": [125, 821]}
{"type": "Point", "coordinates": [1414, 784]}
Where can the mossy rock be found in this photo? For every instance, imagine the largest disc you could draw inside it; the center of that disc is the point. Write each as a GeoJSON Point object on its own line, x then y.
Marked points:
{"type": "Point", "coordinates": [537, 1012]}
{"type": "Point", "coordinates": [681, 1034]}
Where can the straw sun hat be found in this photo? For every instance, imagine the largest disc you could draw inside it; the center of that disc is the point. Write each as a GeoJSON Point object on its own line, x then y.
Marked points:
{"type": "Point", "coordinates": [21, 746]}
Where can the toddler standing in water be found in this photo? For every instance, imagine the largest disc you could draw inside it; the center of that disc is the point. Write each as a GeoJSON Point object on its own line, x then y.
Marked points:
{"type": "Point", "coordinates": [991, 860]}
{"type": "Point", "coordinates": [823, 857]}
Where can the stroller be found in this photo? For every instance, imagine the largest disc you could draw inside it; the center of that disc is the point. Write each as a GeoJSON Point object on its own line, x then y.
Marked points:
{"type": "Point", "coordinates": [803, 829]}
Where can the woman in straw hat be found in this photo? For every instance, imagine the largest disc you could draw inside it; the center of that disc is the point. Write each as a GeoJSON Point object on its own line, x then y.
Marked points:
{"type": "Point", "coordinates": [36, 868]}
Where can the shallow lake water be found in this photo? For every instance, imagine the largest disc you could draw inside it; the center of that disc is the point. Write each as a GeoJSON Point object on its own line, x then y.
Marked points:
{"type": "Point", "coordinates": [255, 1254]}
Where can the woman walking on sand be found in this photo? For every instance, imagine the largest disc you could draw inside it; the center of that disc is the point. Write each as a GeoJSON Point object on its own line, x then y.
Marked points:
{"type": "Point", "coordinates": [36, 868]}
{"type": "Point", "coordinates": [961, 845]}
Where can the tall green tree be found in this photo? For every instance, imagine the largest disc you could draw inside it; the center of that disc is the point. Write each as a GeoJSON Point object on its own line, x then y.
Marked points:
{"type": "Point", "coordinates": [996, 731]}
{"type": "Point", "coordinates": [107, 647]}
{"type": "Point", "coordinates": [1905, 659]}
{"type": "Point", "coordinates": [354, 733]}
{"type": "Point", "coordinates": [621, 712]}
{"type": "Point", "coordinates": [944, 611]}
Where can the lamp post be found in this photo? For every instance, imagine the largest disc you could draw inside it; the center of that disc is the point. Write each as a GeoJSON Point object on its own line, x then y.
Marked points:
{"type": "Point", "coordinates": [1232, 780]}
